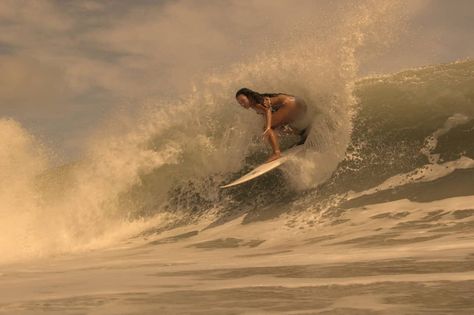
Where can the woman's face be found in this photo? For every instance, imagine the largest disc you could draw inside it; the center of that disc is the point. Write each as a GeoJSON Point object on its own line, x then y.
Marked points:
{"type": "Point", "coordinates": [243, 101]}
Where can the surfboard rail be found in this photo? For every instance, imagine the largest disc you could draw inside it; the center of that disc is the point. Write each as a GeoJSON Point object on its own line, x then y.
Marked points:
{"type": "Point", "coordinates": [266, 167]}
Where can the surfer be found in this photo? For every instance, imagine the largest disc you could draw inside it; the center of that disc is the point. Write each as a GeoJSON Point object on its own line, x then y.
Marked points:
{"type": "Point", "coordinates": [282, 112]}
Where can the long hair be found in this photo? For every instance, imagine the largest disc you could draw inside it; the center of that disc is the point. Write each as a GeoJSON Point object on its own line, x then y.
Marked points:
{"type": "Point", "coordinates": [255, 96]}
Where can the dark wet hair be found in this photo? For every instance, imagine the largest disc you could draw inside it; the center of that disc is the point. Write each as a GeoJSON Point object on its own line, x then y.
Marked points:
{"type": "Point", "coordinates": [257, 97]}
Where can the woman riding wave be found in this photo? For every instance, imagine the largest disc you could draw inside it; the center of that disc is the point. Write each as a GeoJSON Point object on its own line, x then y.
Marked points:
{"type": "Point", "coordinates": [281, 111]}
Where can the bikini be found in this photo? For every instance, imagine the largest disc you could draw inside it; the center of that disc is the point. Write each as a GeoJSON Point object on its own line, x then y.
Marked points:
{"type": "Point", "coordinates": [275, 108]}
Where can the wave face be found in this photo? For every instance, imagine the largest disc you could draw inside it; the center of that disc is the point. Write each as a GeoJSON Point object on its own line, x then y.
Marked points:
{"type": "Point", "coordinates": [163, 167]}
{"type": "Point", "coordinates": [406, 121]}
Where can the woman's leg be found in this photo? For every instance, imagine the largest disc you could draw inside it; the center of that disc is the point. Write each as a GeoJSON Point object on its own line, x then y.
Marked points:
{"type": "Point", "coordinates": [279, 118]}
{"type": "Point", "coordinates": [273, 140]}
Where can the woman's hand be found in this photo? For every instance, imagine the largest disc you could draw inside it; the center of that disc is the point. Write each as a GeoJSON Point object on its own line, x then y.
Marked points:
{"type": "Point", "coordinates": [267, 102]}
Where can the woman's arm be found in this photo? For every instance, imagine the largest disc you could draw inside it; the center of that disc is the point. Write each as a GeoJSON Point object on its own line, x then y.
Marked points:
{"type": "Point", "coordinates": [268, 122]}
{"type": "Point", "coordinates": [265, 109]}
{"type": "Point", "coordinates": [268, 118]}
{"type": "Point", "coordinates": [268, 113]}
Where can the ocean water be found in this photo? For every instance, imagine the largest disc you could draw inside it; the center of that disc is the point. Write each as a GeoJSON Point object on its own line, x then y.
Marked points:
{"type": "Point", "coordinates": [376, 218]}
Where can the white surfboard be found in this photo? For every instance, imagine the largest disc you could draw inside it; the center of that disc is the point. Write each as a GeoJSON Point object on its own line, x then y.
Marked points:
{"type": "Point", "coordinates": [267, 167]}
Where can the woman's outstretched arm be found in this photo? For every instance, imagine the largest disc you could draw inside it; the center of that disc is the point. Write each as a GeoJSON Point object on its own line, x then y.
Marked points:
{"type": "Point", "coordinates": [268, 119]}
{"type": "Point", "coordinates": [268, 112]}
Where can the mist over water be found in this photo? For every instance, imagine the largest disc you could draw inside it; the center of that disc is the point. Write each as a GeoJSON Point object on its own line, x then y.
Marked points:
{"type": "Point", "coordinates": [166, 162]}
{"type": "Point", "coordinates": [376, 217]}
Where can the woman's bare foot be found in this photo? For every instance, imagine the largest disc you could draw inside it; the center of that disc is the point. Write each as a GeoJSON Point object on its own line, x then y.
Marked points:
{"type": "Point", "coordinates": [274, 156]}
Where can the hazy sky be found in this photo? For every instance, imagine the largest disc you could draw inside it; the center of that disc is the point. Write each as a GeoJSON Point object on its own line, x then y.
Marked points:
{"type": "Point", "coordinates": [66, 64]}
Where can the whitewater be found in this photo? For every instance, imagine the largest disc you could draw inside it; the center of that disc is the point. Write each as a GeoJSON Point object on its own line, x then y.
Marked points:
{"type": "Point", "coordinates": [376, 218]}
